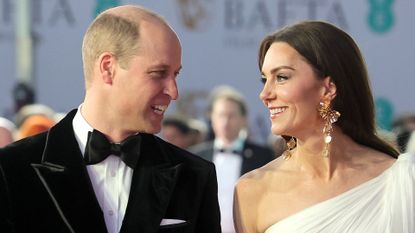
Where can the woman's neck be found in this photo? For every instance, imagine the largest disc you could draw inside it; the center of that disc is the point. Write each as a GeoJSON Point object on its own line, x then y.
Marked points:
{"type": "Point", "coordinates": [308, 155]}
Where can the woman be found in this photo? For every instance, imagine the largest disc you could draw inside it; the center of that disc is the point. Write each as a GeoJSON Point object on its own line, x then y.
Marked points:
{"type": "Point", "coordinates": [337, 175]}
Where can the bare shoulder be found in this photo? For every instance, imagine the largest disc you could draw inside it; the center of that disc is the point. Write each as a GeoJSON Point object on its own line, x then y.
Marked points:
{"type": "Point", "coordinates": [255, 186]}
{"type": "Point", "coordinates": [258, 179]}
{"type": "Point", "coordinates": [249, 193]}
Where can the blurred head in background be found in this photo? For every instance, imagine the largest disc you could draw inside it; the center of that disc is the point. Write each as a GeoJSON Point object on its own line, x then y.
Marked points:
{"type": "Point", "coordinates": [228, 113]}
{"type": "Point", "coordinates": [176, 130]}
{"type": "Point", "coordinates": [35, 124]}
{"type": "Point", "coordinates": [7, 129]}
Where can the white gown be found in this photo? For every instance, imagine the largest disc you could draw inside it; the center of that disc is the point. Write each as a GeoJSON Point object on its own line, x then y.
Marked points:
{"type": "Point", "coordinates": [384, 204]}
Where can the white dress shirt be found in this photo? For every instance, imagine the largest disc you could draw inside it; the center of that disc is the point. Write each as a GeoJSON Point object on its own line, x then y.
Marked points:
{"type": "Point", "coordinates": [228, 169]}
{"type": "Point", "coordinates": [111, 179]}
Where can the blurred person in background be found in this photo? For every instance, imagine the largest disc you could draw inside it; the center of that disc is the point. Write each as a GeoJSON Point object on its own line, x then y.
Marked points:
{"type": "Point", "coordinates": [403, 126]}
{"type": "Point", "coordinates": [23, 95]}
{"type": "Point", "coordinates": [388, 136]}
{"type": "Point", "coordinates": [32, 119]}
{"type": "Point", "coordinates": [33, 125]}
{"type": "Point", "coordinates": [411, 144]}
{"type": "Point", "coordinates": [176, 130]}
{"type": "Point", "coordinates": [182, 131]}
{"type": "Point", "coordinates": [7, 130]}
{"type": "Point", "coordinates": [33, 109]}
{"type": "Point", "coordinates": [231, 150]}
{"type": "Point", "coordinates": [198, 131]}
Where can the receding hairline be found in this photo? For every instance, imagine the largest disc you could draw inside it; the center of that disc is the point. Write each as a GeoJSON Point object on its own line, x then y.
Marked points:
{"type": "Point", "coordinates": [135, 13]}
{"type": "Point", "coordinates": [132, 16]}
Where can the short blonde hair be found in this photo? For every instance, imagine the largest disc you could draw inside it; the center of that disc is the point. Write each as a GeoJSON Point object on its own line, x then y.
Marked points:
{"type": "Point", "coordinates": [114, 33]}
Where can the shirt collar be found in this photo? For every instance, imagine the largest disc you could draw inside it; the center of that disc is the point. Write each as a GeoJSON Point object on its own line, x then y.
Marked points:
{"type": "Point", "coordinates": [81, 129]}
{"type": "Point", "coordinates": [236, 145]}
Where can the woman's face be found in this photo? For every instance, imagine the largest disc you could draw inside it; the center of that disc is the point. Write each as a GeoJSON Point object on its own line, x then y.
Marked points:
{"type": "Point", "coordinates": [291, 92]}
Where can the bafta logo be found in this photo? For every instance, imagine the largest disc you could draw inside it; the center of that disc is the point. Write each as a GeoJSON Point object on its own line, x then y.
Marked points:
{"type": "Point", "coordinates": [195, 14]}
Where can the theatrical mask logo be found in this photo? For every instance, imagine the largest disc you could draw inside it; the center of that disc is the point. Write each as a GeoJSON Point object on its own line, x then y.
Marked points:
{"type": "Point", "coordinates": [196, 14]}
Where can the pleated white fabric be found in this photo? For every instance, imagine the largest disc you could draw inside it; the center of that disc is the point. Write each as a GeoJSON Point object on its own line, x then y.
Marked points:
{"type": "Point", "coordinates": [384, 204]}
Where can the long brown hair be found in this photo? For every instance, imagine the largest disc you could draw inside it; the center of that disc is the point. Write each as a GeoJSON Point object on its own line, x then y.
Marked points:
{"type": "Point", "coordinates": [332, 52]}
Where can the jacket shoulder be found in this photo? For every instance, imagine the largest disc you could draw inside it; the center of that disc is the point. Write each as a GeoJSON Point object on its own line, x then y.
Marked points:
{"type": "Point", "coordinates": [30, 148]}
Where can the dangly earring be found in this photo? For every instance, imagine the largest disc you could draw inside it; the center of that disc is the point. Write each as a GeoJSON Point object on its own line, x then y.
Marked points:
{"type": "Point", "coordinates": [290, 145]}
{"type": "Point", "coordinates": [329, 116]}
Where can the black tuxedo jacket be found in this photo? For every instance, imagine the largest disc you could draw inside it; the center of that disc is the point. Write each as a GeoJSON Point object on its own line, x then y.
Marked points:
{"type": "Point", "coordinates": [45, 187]}
{"type": "Point", "coordinates": [253, 155]}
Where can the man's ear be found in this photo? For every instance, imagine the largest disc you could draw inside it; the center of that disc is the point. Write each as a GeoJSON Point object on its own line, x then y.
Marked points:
{"type": "Point", "coordinates": [330, 89]}
{"type": "Point", "coordinates": [107, 67]}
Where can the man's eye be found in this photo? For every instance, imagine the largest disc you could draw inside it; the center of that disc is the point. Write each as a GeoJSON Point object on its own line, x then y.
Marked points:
{"type": "Point", "coordinates": [263, 80]}
{"type": "Point", "coordinates": [158, 73]}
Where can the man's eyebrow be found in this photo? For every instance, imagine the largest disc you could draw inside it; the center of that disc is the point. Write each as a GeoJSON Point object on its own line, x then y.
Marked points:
{"type": "Point", "coordinates": [163, 66]}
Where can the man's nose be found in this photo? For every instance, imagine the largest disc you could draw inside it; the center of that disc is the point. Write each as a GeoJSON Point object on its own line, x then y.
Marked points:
{"type": "Point", "coordinates": [171, 89]}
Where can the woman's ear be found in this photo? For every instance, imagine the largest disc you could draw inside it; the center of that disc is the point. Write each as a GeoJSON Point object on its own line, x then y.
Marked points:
{"type": "Point", "coordinates": [330, 88]}
{"type": "Point", "coordinates": [107, 67]}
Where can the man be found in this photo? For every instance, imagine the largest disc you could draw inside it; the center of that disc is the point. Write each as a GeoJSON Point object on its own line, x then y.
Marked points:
{"type": "Point", "coordinates": [7, 129]}
{"type": "Point", "coordinates": [182, 131]}
{"type": "Point", "coordinates": [176, 130]}
{"type": "Point", "coordinates": [231, 151]}
{"type": "Point", "coordinates": [59, 182]}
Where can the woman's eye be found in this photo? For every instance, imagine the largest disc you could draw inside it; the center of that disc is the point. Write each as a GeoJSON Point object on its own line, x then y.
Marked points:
{"type": "Point", "coordinates": [281, 78]}
{"type": "Point", "coordinates": [263, 80]}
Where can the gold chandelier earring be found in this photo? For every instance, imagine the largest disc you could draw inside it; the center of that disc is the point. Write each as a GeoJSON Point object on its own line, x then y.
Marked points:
{"type": "Point", "coordinates": [290, 146]}
{"type": "Point", "coordinates": [329, 116]}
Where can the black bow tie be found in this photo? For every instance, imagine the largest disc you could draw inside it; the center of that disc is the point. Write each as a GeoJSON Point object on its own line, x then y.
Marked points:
{"type": "Point", "coordinates": [99, 148]}
{"type": "Point", "coordinates": [228, 151]}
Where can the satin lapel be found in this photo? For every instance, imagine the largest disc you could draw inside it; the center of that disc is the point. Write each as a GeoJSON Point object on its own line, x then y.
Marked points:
{"type": "Point", "coordinates": [153, 181]}
{"type": "Point", "coordinates": [66, 179]}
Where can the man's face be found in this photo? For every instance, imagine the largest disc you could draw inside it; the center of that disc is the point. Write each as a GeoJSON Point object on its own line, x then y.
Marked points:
{"type": "Point", "coordinates": [227, 119]}
{"type": "Point", "coordinates": [143, 91]}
